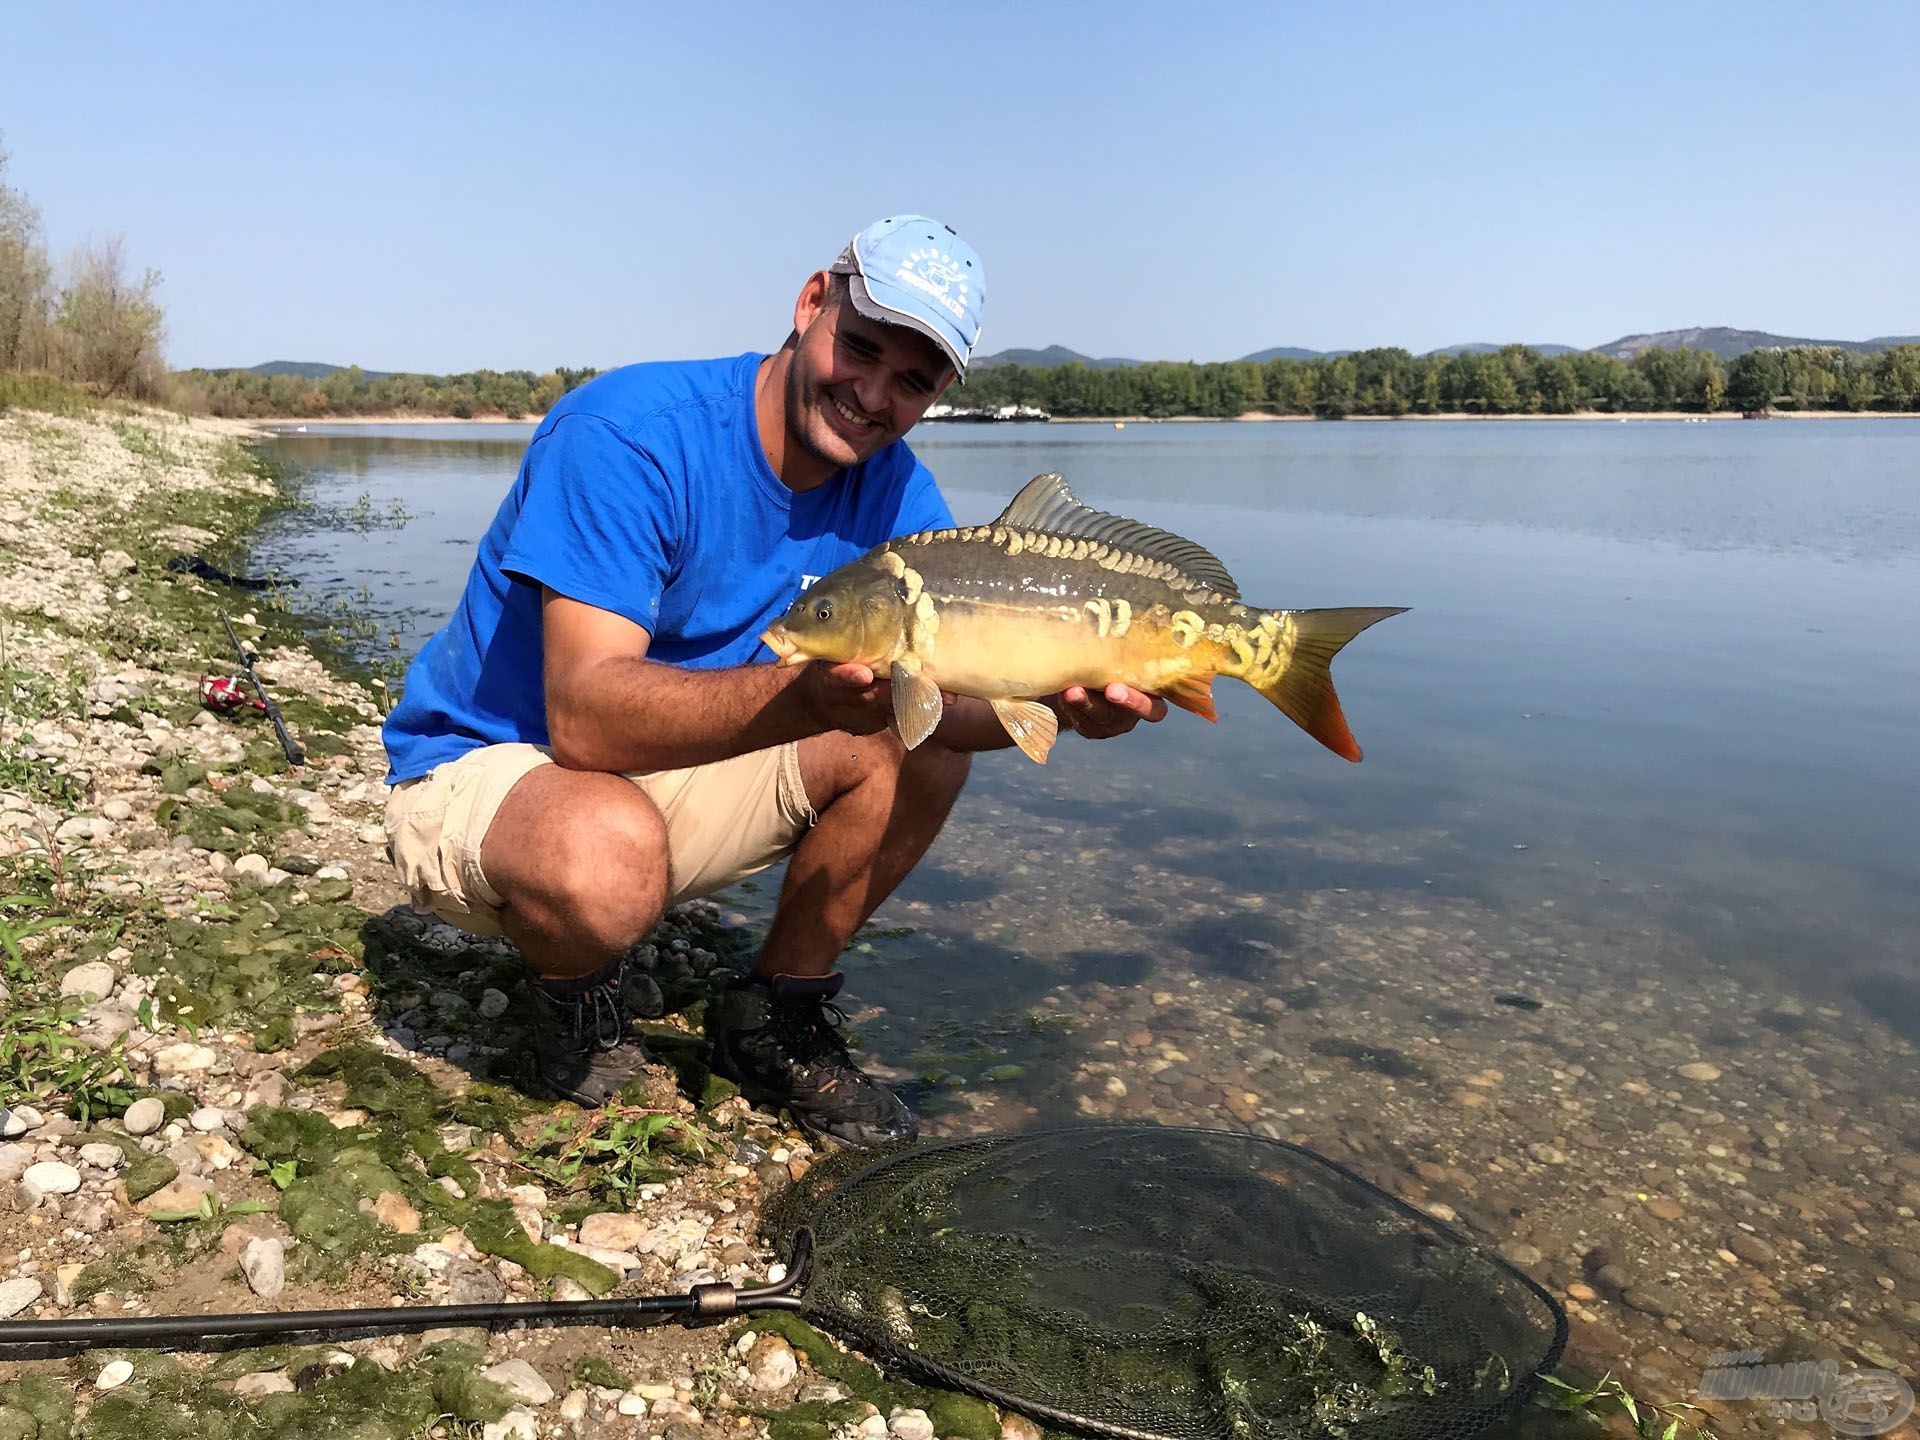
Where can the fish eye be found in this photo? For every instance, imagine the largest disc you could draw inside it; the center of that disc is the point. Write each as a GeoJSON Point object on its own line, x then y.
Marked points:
{"type": "Point", "coordinates": [823, 610]}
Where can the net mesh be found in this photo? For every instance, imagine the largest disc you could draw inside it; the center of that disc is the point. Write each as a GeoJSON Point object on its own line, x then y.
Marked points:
{"type": "Point", "coordinates": [1143, 1280]}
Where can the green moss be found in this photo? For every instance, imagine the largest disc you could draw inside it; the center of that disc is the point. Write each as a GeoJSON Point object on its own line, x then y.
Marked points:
{"type": "Point", "coordinates": [859, 1376]}
{"type": "Point", "coordinates": [961, 1415]}
{"type": "Point", "coordinates": [598, 1370]}
{"type": "Point", "coordinates": [45, 1400]}
{"type": "Point", "coordinates": [148, 1174]}
{"type": "Point", "coordinates": [814, 1420]}
{"type": "Point", "coordinates": [168, 1401]}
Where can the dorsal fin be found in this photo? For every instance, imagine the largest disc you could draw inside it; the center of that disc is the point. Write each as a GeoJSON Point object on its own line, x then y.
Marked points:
{"type": "Point", "coordinates": [1046, 504]}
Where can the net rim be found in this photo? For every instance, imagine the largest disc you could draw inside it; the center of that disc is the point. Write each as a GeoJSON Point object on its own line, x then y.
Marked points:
{"type": "Point", "coordinates": [1470, 1421]}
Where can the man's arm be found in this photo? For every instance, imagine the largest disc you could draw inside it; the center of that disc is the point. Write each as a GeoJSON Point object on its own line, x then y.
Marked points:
{"type": "Point", "coordinates": [610, 708]}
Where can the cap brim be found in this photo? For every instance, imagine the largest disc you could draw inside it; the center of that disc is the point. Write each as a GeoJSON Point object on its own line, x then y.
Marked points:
{"type": "Point", "coordinates": [882, 313]}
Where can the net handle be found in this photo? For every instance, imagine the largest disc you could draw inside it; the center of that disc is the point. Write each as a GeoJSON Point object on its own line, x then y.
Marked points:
{"type": "Point", "coordinates": [155, 1331]}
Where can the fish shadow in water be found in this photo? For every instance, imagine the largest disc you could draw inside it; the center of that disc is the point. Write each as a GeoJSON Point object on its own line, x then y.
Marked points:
{"type": "Point", "coordinates": [1377, 1058]}
{"type": "Point", "coordinates": [1120, 968]}
{"type": "Point", "coordinates": [1246, 945]}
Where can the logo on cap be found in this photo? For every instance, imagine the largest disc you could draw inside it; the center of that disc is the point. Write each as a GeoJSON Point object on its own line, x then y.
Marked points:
{"type": "Point", "coordinates": [934, 273]}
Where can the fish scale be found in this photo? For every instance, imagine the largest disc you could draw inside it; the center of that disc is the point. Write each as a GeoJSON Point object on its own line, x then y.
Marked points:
{"type": "Point", "coordinates": [1054, 594]}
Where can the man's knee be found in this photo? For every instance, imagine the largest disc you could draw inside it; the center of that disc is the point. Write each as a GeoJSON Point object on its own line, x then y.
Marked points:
{"type": "Point", "coordinates": [593, 861]}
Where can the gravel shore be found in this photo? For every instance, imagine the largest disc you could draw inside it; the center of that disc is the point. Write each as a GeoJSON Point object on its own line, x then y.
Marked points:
{"type": "Point", "coordinates": [240, 1075]}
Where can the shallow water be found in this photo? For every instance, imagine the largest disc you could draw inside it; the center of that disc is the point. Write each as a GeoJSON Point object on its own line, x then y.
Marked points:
{"type": "Point", "coordinates": [1643, 752]}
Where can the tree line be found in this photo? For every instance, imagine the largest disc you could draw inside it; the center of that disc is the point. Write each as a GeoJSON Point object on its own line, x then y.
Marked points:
{"type": "Point", "coordinates": [351, 391]}
{"type": "Point", "coordinates": [87, 320]}
{"type": "Point", "coordinates": [1514, 380]}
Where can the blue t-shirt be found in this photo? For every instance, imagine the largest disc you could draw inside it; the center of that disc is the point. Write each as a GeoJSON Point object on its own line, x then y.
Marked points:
{"type": "Point", "coordinates": [645, 493]}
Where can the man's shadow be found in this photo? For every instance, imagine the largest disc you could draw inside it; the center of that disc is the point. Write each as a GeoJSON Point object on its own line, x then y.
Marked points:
{"type": "Point", "coordinates": [436, 990]}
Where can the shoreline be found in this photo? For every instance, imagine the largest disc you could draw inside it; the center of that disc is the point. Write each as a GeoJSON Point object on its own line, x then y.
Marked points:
{"type": "Point", "coordinates": [220, 1002]}
{"type": "Point", "coordinates": [277, 426]}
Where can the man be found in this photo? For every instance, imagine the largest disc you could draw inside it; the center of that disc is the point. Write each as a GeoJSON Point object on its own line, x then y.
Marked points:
{"type": "Point", "coordinates": [595, 735]}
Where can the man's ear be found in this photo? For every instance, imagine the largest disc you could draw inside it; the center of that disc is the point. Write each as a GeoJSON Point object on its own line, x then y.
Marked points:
{"type": "Point", "coordinates": [814, 296]}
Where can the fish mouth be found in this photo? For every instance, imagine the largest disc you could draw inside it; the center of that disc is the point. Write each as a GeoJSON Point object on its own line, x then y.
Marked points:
{"type": "Point", "coordinates": [776, 639]}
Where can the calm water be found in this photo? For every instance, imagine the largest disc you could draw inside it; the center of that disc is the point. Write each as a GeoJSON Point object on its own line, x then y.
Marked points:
{"type": "Point", "coordinates": [1676, 663]}
{"type": "Point", "coordinates": [1644, 755]}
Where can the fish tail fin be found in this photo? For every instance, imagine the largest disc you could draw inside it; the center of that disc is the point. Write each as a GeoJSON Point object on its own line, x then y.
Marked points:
{"type": "Point", "coordinates": [1291, 666]}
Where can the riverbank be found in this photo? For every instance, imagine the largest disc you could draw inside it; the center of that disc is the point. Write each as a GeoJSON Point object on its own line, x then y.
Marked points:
{"type": "Point", "coordinates": [276, 425]}
{"type": "Point", "coordinates": [240, 1076]}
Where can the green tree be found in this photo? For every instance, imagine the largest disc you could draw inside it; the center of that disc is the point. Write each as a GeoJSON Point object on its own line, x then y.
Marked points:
{"type": "Point", "coordinates": [109, 326]}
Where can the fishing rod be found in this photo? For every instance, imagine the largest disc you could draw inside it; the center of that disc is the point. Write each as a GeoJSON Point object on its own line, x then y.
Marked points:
{"type": "Point", "coordinates": [295, 755]}
{"type": "Point", "coordinates": [708, 1301]}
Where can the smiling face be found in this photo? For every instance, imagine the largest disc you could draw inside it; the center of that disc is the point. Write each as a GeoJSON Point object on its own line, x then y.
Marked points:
{"type": "Point", "coordinates": [854, 385]}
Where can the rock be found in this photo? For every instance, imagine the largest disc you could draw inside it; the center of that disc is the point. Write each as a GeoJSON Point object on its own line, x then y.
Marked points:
{"type": "Point", "coordinates": [493, 1004]}
{"type": "Point", "coordinates": [1699, 1070]}
{"type": "Point", "coordinates": [1655, 1300]}
{"type": "Point", "coordinates": [256, 1387]}
{"type": "Point", "coordinates": [14, 1160]}
{"type": "Point", "coordinates": [185, 1059]}
{"type": "Point", "coordinates": [175, 1197]}
{"type": "Point", "coordinates": [118, 810]}
{"type": "Point", "coordinates": [1019, 1427]}
{"type": "Point", "coordinates": [145, 1116]}
{"type": "Point", "coordinates": [102, 1156]}
{"type": "Point", "coordinates": [527, 1384]}
{"type": "Point", "coordinates": [146, 1175]}
{"type": "Point", "coordinates": [264, 1263]}
{"type": "Point", "coordinates": [909, 1424]}
{"type": "Point", "coordinates": [114, 1374]}
{"type": "Point", "coordinates": [1662, 1208]}
{"type": "Point", "coordinates": [1582, 1292]}
{"type": "Point", "coordinates": [207, 1119]}
{"type": "Point", "coordinates": [116, 562]}
{"type": "Point", "coordinates": [253, 868]}
{"type": "Point", "coordinates": [612, 1231]}
{"type": "Point", "coordinates": [16, 1295]}
{"type": "Point", "coordinates": [1547, 1154]}
{"type": "Point", "coordinates": [632, 1405]}
{"type": "Point", "coordinates": [518, 1423]}
{"type": "Point", "coordinates": [393, 1210]}
{"type": "Point", "coordinates": [93, 980]}
{"type": "Point", "coordinates": [574, 1408]}
{"type": "Point", "coordinates": [771, 1363]}
{"type": "Point", "coordinates": [471, 1283]}
{"type": "Point", "coordinates": [53, 1177]}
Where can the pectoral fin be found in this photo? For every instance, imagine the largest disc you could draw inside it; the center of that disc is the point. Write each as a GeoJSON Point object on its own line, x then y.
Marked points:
{"type": "Point", "coordinates": [1033, 726]}
{"type": "Point", "coordinates": [917, 706]}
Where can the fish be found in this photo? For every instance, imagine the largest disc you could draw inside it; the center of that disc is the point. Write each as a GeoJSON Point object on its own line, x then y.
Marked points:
{"type": "Point", "coordinates": [1053, 593]}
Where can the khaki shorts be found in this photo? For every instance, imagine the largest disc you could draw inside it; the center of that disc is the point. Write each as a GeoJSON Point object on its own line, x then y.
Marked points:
{"type": "Point", "coordinates": [725, 821]}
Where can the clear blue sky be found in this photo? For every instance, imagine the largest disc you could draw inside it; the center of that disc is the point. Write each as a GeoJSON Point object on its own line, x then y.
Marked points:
{"type": "Point", "coordinates": [442, 187]}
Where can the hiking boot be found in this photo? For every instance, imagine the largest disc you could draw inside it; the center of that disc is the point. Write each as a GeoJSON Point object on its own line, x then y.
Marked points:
{"type": "Point", "coordinates": [582, 1045]}
{"type": "Point", "coordinates": [780, 1041]}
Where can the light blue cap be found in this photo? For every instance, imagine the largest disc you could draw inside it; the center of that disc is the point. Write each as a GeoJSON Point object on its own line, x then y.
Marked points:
{"type": "Point", "coordinates": [914, 271]}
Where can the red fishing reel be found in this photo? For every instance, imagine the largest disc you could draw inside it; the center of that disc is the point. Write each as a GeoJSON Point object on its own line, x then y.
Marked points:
{"type": "Point", "coordinates": [225, 695]}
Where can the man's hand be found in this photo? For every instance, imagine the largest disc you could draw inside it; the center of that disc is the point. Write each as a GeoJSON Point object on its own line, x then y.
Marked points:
{"type": "Point", "coordinates": [1115, 711]}
{"type": "Point", "coordinates": [848, 697]}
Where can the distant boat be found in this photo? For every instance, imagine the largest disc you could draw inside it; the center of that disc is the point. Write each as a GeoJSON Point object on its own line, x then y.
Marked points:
{"type": "Point", "coordinates": [1119, 424]}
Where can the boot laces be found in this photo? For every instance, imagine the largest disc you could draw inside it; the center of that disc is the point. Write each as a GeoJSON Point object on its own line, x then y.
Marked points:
{"type": "Point", "coordinates": [596, 1014]}
{"type": "Point", "coordinates": [808, 1031]}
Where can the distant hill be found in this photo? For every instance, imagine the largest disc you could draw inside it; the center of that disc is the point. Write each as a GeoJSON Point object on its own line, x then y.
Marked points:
{"type": "Point", "coordinates": [1730, 344]}
{"type": "Point", "coordinates": [1052, 355]}
{"type": "Point", "coordinates": [1290, 352]}
{"type": "Point", "coordinates": [305, 369]}
{"type": "Point", "coordinates": [1481, 347]}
